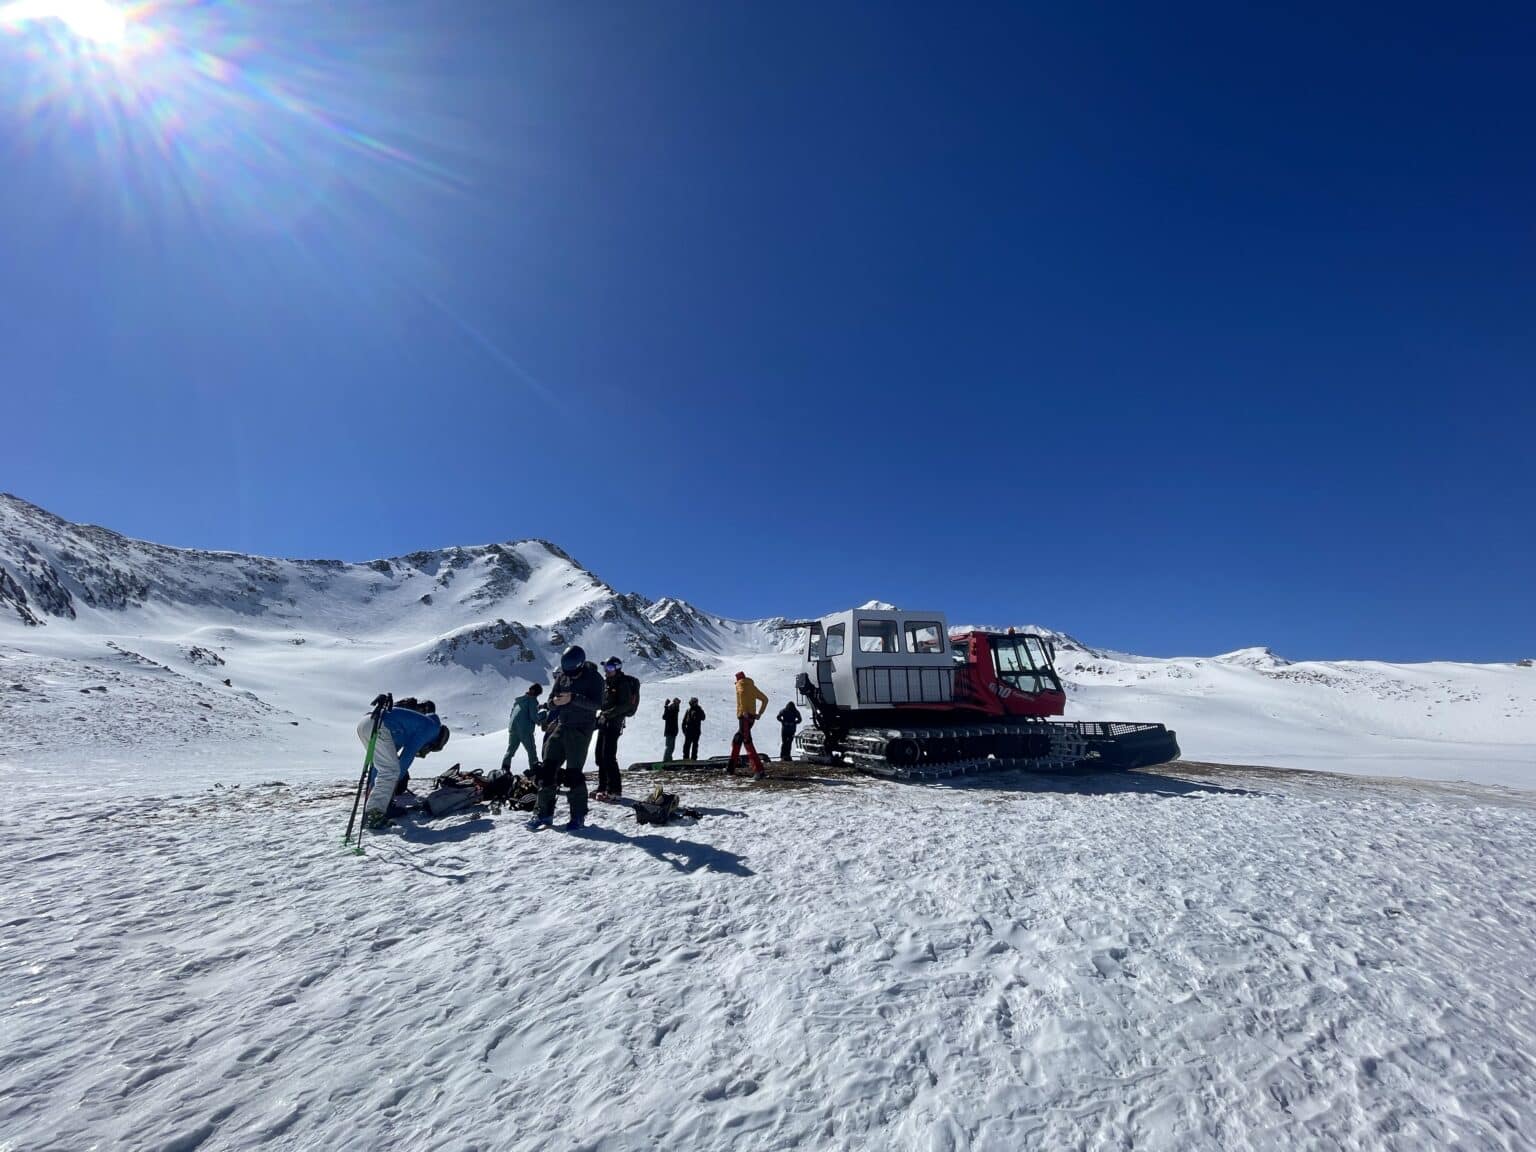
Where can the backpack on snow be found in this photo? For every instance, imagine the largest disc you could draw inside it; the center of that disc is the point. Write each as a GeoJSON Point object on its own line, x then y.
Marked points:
{"type": "Point", "coordinates": [454, 791]}
{"type": "Point", "coordinates": [657, 808]}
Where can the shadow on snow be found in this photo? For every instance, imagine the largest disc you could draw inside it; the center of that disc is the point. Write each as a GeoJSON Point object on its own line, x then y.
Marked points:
{"type": "Point", "coordinates": [683, 855]}
{"type": "Point", "coordinates": [1092, 782]}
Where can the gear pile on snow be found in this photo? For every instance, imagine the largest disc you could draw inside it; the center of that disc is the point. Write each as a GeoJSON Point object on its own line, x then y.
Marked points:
{"type": "Point", "coordinates": [456, 790]}
{"type": "Point", "coordinates": [660, 807]}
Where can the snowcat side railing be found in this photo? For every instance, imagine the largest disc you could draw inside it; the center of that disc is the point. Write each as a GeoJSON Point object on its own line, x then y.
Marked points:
{"type": "Point", "coordinates": [905, 684]}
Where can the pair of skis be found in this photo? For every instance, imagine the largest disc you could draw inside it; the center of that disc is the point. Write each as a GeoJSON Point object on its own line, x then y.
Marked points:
{"type": "Point", "coordinates": [381, 705]}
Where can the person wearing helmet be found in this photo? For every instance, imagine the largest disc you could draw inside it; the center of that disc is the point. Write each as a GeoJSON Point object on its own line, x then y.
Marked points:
{"type": "Point", "coordinates": [621, 700]}
{"type": "Point", "coordinates": [693, 727]}
{"type": "Point", "coordinates": [750, 706]}
{"type": "Point", "coordinates": [525, 711]}
{"type": "Point", "coordinates": [404, 734]}
{"type": "Point", "coordinates": [789, 719]}
{"type": "Point", "coordinates": [669, 711]}
{"type": "Point", "coordinates": [569, 718]}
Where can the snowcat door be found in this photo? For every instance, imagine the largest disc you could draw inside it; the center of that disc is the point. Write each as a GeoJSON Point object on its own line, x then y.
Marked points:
{"type": "Point", "coordinates": [820, 661]}
{"type": "Point", "coordinates": [1026, 683]}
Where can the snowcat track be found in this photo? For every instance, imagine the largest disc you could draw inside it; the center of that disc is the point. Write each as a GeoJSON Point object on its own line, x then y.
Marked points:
{"type": "Point", "coordinates": [969, 750]}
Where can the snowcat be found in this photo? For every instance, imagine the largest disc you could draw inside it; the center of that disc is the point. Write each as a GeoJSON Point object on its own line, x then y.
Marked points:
{"type": "Point", "coordinates": [897, 694]}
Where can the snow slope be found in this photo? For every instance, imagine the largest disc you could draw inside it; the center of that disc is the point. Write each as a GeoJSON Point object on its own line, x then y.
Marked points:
{"type": "Point", "coordinates": [115, 650]}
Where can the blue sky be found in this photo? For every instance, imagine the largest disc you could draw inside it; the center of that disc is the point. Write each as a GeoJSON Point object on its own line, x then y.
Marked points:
{"type": "Point", "coordinates": [1180, 328]}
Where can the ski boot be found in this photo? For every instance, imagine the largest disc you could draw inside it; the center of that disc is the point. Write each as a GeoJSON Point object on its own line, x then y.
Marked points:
{"type": "Point", "coordinates": [574, 824]}
{"type": "Point", "coordinates": [540, 822]}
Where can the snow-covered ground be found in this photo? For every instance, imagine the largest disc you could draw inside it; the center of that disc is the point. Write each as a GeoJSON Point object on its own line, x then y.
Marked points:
{"type": "Point", "coordinates": [1187, 958]}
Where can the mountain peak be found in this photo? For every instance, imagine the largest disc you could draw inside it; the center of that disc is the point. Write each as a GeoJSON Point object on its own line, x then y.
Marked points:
{"type": "Point", "coordinates": [1259, 657]}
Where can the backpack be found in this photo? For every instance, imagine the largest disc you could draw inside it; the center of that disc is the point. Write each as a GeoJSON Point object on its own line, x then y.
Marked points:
{"type": "Point", "coordinates": [657, 808]}
{"type": "Point", "coordinates": [634, 694]}
{"type": "Point", "coordinates": [454, 790]}
{"type": "Point", "coordinates": [660, 807]}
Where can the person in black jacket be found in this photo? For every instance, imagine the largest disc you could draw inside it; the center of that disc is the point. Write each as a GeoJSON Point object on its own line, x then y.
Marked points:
{"type": "Point", "coordinates": [693, 725]}
{"type": "Point", "coordinates": [669, 712]}
{"type": "Point", "coordinates": [568, 720]}
{"type": "Point", "coordinates": [789, 719]}
{"type": "Point", "coordinates": [621, 699]}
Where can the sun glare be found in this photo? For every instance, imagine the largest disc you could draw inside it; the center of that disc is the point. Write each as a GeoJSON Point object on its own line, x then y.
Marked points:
{"type": "Point", "coordinates": [98, 22]}
{"type": "Point", "coordinates": [253, 110]}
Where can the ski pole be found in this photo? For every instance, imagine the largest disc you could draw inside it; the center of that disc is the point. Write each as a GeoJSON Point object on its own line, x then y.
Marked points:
{"type": "Point", "coordinates": [381, 705]}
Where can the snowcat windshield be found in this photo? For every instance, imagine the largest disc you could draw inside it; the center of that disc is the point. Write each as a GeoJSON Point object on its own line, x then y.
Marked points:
{"type": "Point", "coordinates": [1022, 663]}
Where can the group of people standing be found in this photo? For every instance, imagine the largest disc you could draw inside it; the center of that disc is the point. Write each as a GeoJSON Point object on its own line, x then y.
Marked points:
{"type": "Point", "coordinates": [691, 723]}
{"type": "Point", "coordinates": [584, 702]}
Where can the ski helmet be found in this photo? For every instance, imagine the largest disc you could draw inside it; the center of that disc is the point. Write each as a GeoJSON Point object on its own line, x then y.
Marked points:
{"type": "Point", "coordinates": [573, 658]}
{"type": "Point", "coordinates": [438, 744]}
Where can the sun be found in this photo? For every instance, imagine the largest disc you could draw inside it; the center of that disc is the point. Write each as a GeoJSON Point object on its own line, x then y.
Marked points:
{"type": "Point", "coordinates": [98, 22]}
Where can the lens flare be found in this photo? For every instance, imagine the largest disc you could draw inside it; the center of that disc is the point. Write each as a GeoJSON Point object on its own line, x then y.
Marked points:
{"type": "Point", "coordinates": [258, 111]}
{"type": "Point", "coordinates": [95, 21]}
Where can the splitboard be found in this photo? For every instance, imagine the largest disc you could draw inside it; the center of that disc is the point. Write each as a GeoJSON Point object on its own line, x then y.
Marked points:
{"type": "Point", "coordinates": [712, 764]}
{"type": "Point", "coordinates": [778, 773]}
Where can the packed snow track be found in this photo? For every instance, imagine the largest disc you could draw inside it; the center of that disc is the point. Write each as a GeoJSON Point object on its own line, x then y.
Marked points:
{"type": "Point", "coordinates": [1182, 958]}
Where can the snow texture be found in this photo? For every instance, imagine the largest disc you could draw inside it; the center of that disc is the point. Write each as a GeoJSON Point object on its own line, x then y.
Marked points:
{"type": "Point", "coordinates": [1190, 957]}
{"type": "Point", "coordinates": [1194, 958]}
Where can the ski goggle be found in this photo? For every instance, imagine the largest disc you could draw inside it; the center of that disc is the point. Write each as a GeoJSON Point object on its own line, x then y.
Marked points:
{"type": "Point", "coordinates": [612, 666]}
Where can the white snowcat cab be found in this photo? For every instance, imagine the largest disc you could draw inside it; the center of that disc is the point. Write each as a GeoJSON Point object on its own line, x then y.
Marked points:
{"type": "Point", "coordinates": [872, 658]}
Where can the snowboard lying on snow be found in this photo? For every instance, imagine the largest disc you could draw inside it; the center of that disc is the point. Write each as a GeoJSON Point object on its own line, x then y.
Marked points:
{"type": "Point", "coordinates": [712, 764]}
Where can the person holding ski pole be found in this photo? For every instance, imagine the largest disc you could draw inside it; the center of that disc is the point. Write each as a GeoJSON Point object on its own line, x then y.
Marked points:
{"type": "Point", "coordinates": [750, 706]}
{"type": "Point", "coordinates": [789, 719]}
{"type": "Point", "coordinates": [403, 734]}
{"type": "Point", "coordinates": [569, 718]}
{"type": "Point", "coordinates": [693, 727]}
{"type": "Point", "coordinates": [525, 711]}
{"type": "Point", "coordinates": [669, 728]}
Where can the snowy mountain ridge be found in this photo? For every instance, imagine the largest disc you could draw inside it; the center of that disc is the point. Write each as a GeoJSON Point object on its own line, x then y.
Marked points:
{"type": "Point", "coordinates": [110, 641]}
{"type": "Point", "coordinates": [502, 604]}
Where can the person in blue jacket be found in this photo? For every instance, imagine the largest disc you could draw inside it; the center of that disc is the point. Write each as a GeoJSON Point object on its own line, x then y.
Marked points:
{"type": "Point", "coordinates": [404, 734]}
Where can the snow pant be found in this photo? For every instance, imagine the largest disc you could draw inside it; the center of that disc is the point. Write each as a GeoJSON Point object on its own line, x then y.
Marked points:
{"type": "Point", "coordinates": [565, 759]}
{"type": "Point", "coordinates": [608, 760]}
{"type": "Point", "coordinates": [523, 740]}
{"type": "Point", "coordinates": [690, 746]}
{"type": "Point", "coordinates": [671, 739]}
{"type": "Point", "coordinates": [786, 742]}
{"type": "Point", "coordinates": [744, 736]}
{"type": "Point", "coordinates": [384, 778]}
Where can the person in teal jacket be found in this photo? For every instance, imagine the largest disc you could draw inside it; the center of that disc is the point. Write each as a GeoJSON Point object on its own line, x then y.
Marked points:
{"type": "Point", "coordinates": [525, 711]}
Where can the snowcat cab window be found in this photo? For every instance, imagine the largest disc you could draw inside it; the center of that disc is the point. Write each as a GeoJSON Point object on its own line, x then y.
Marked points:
{"type": "Point", "coordinates": [1037, 652]}
{"type": "Point", "coordinates": [924, 638]}
{"type": "Point", "coordinates": [814, 651]}
{"type": "Point", "coordinates": [1015, 665]}
{"type": "Point", "coordinates": [835, 636]}
{"type": "Point", "coordinates": [877, 636]}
